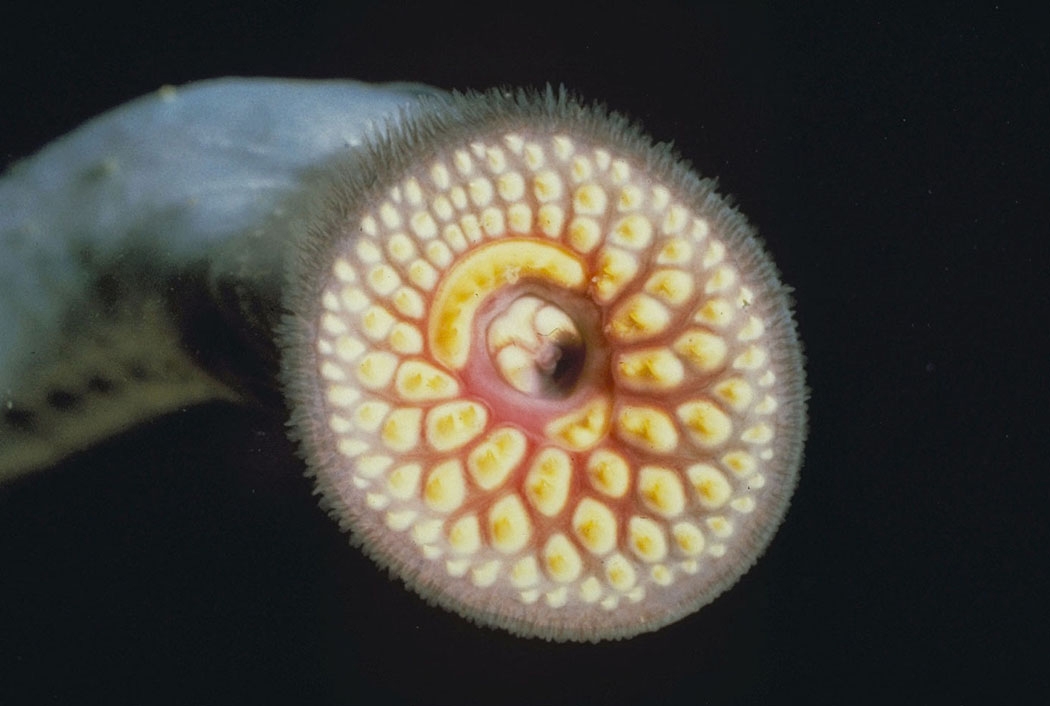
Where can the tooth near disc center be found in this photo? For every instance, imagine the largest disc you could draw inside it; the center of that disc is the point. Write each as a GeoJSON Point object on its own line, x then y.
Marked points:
{"type": "Point", "coordinates": [480, 273]}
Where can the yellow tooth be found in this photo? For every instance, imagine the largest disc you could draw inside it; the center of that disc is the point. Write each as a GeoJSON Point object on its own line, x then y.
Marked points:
{"type": "Point", "coordinates": [653, 369]}
{"type": "Point", "coordinates": [348, 348]}
{"type": "Point", "coordinates": [675, 220]}
{"type": "Point", "coordinates": [399, 520]}
{"type": "Point", "coordinates": [423, 226]}
{"type": "Point", "coordinates": [768, 405]}
{"type": "Point", "coordinates": [594, 526]}
{"type": "Point", "coordinates": [673, 286]}
{"type": "Point", "coordinates": [752, 358]}
{"type": "Point", "coordinates": [402, 429]}
{"type": "Point", "coordinates": [413, 192]}
{"type": "Point", "coordinates": [485, 575]}
{"type": "Point", "coordinates": [561, 559]}
{"type": "Point", "coordinates": [340, 425]}
{"type": "Point", "coordinates": [368, 251]}
{"type": "Point", "coordinates": [689, 538]}
{"type": "Point", "coordinates": [547, 482]}
{"type": "Point", "coordinates": [661, 575]}
{"type": "Point", "coordinates": [676, 251]}
{"type": "Point", "coordinates": [389, 215]}
{"type": "Point", "coordinates": [422, 274]}
{"type": "Point", "coordinates": [743, 505]}
{"type": "Point", "coordinates": [376, 322]}
{"type": "Point", "coordinates": [404, 480]}
{"type": "Point", "coordinates": [439, 175]}
{"type": "Point", "coordinates": [711, 486]}
{"type": "Point", "coordinates": [705, 351]}
{"type": "Point", "coordinates": [752, 330]}
{"type": "Point", "coordinates": [493, 459]}
{"type": "Point", "coordinates": [439, 253]}
{"type": "Point", "coordinates": [383, 279]}
{"type": "Point", "coordinates": [465, 535]}
{"type": "Point", "coordinates": [352, 447]}
{"type": "Point", "coordinates": [445, 489]}
{"type": "Point", "coordinates": [620, 171]}
{"type": "Point", "coordinates": [509, 526]}
{"type": "Point", "coordinates": [344, 271]}
{"type": "Point", "coordinates": [706, 423]}
{"type": "Point", "coordinates": [620, 573]}
{"type": "Point", "coordinates": [557, 598]}
{"type": "Point", "coordinates": [581, 169]}
{"type": "Point", "coordinates": [330, 301]}
{"type": "Point", "coordinates": [406, 339]}
{"type": "Point", "coordinates": [613, 271]}
{"type": "Point", "coordinates": [369, 415]}
{"type": "Point", "coordinates": [373, 466]}
{"type": "Point", "coordinates": [492, 221]}
{"type": "Point", "coordinates": [715, 312]}
{"type": "Point", "coordinates": [584, 234]}
{"type": "Point", "coordinates": [495, 159]}
{"type": "Point", "coordinates": [661, 491]}
{"type": "Point", "coordinates": [638, 318]}
{"type": "Point", "coordinates": [453, 424]}
{"type": "Point", "coordinates": [354, 298]}
{"type": "Point", "coordinates": [735, 392]}
{"type": "Point", "coordinates": [518, 368]}
{"type": "Point", "coordinates": [608, 473]}
{"type": "Point", "coordinates": [722, 279]}
{"type": "Point", "coordinates": [589, 200]}
{"type": "Point", "coordinates": [547, 186]}
{"type": "Point", "coordinates": [331, 371]}
{"type": "Point", "coordinates": [409, 303]}
{"type": "Point", "coordinates": [714, 253]}
{"type": "Point", "coordinates": [581, 429]}
{"type": "Point", "coordinates": [525, 572]}
{"type": "Point", "coordinates": [550, 320]}
{"type": "Point", "coordinates": [519, 218]}
{"type": "Point", "coordinates": [480, 191]}
{"type": "Point", "coordinates": [647, 428]}
{"type": "Point", "coordinates": [426, 532]}
{"type": "Point", "coordinates": [510, 186]}
{"type": "Point", "coordinates": [590, 590]}
{"type": "Point", "coordinates": [486, 269]}
{"type": "Point", "coordinates": [454, 236]}
{"type": "Point", "coordinates": [551, 218]}
{"type": "Point", "coordinates": [333, 325]}
{"type": "Point", "coordinates": [758, 434]}
{"type": "Point", "coordinates": [419, 381]}
{"type": "Point", "coordinates": [634, 232]}
{"type": "Point", "coordinates": [631, 198]}
{"type": "Point", "coordinates": [563, 147]}
{"type": "Point", "coordinates": [720, 526]}
{"type": "Point", "coordinates": [646, 539]}
{"type": "Point", "coordinates": [457, 567]}
{"type": "Point", "coordinates": [376, 369]}
{"type": "Point", "coordinates": [342, 396]}
{"type": "Point", "coordinates": [458, 196]}
{"type": "Point", "coordinates": [740, 463]}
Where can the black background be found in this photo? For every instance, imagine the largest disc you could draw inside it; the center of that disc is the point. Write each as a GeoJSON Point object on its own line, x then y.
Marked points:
{"type": "Point", "coordinates": [895, 163]}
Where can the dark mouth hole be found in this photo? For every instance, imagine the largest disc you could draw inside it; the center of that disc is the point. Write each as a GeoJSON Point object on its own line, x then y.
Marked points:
{"type": "Point", "coordinates": [561, 378]}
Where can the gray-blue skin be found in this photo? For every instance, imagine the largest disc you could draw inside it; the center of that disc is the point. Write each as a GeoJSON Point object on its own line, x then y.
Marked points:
{"type": "Point", "coordinates": [142, 254]}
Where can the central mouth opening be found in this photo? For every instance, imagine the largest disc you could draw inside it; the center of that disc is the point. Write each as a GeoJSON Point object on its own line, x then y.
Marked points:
{"type": "Point", "coordinates": [537, 348]}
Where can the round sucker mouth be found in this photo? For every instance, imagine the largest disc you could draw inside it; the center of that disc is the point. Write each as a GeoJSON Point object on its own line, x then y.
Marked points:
{"type": "Point", "coordinates": [543, 372]}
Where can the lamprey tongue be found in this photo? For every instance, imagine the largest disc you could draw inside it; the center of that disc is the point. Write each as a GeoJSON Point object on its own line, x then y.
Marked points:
{"type": "Point", "coordinates": [543, 372]}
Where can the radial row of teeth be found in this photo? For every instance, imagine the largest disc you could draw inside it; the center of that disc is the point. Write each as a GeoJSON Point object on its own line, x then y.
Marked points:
{"type": "Point", "coordinates": [474, 493]}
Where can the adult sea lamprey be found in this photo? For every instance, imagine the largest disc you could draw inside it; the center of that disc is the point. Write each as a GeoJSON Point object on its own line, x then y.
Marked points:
{"type": "Point", "coordinates": [538, 367]}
